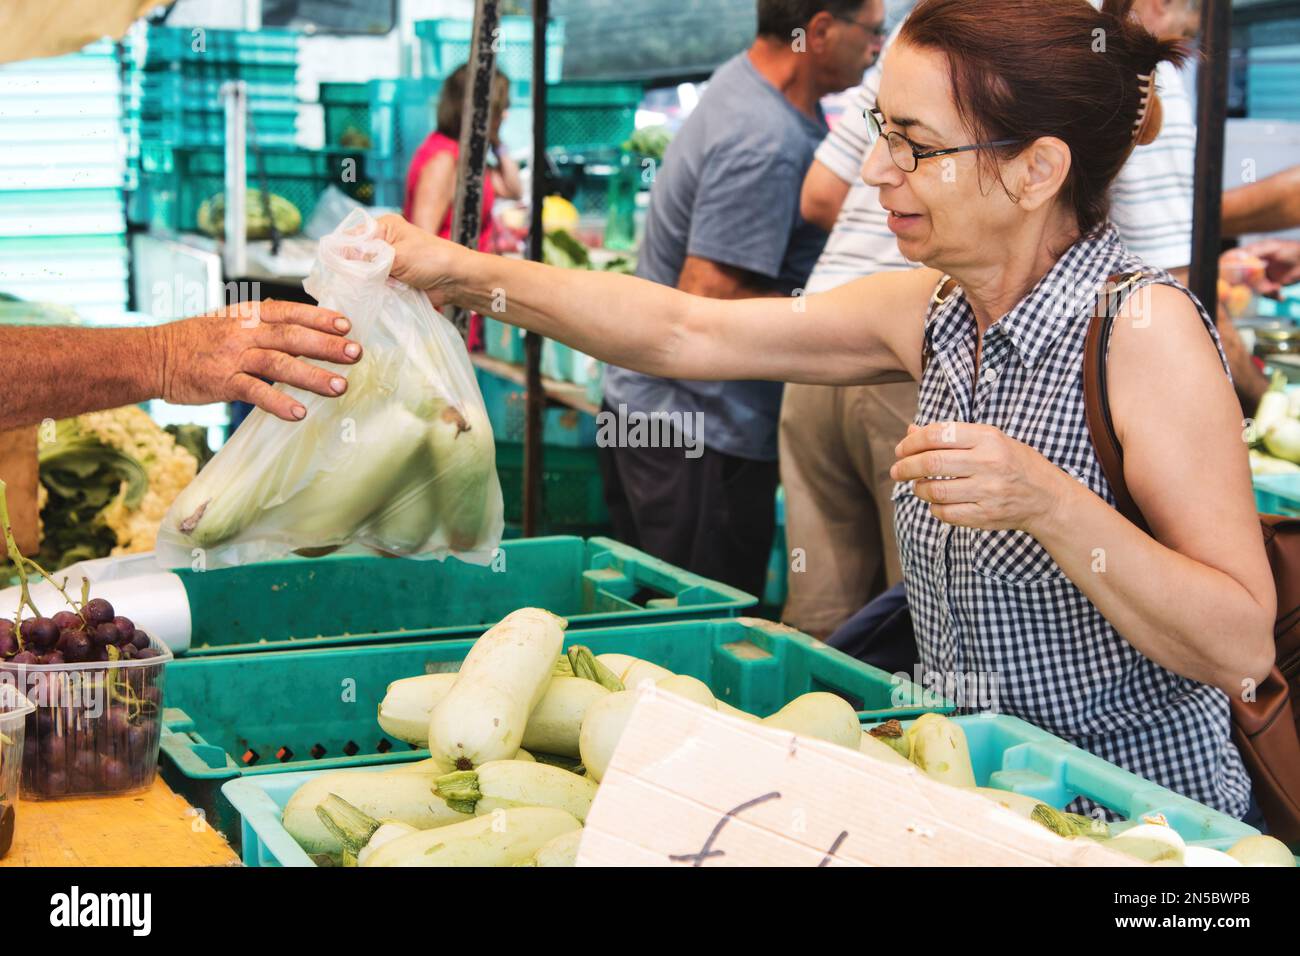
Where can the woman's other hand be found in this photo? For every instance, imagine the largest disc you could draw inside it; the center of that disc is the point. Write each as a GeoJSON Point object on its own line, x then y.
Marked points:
{"type": "Point", "coordinates": [422, 260]}
{"type": "Point", "coordinates": [1281, 264]}
{"type": "Point", "coordinates": [978, 477]}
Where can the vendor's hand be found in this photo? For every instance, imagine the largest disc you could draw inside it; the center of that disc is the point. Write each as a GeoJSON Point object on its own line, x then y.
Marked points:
{"type": "Point", "coordinates": [422, 260]}
{"type": "Point", "coordinates": [1282, 264]}
{"type": "Point", "coordinates": [978, 477]}
{"type": "Point", "coordinates": [224, 355]}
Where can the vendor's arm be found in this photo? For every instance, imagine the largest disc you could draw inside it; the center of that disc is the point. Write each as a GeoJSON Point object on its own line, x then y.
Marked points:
{"type": "Point", "coordinates": [55, 372]}
{"type": "Point", "coordinates": [717, 280]}
{"type": "Point", "coordinates": [838, 161]}
{"type": "Point", "coordinates": [1198, 597]}
{"type": "Point", "coordinates": [822, 195]}
{"type": "Point", "coordinates": [1270, 205]}
{"type": "Point", "coordinates": [866, 331]}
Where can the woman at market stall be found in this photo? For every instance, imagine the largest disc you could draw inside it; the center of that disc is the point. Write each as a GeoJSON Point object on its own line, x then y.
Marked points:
{"type": "Point", "coordinates": [431, 179]}
{"type": "Point", "coordinates": [998, 129]}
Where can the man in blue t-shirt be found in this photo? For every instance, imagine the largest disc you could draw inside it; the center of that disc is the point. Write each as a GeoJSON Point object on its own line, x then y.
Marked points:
{"type": "Point", "coordinates": [690, 467]}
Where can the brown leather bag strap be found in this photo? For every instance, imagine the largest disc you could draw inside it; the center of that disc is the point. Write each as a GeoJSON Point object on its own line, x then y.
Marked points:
{"type": "Point", "coordinates": [942, 292]}
{"type": "Point", "coordinates": [1095, 403]}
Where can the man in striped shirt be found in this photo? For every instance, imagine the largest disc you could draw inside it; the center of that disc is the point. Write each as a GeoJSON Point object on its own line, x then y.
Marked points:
{"type": "Point", "coordinates": [836, 443]}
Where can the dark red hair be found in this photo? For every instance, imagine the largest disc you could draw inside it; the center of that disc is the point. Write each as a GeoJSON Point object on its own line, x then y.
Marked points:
{"type": "Point", "coordinates": [1023, 69]}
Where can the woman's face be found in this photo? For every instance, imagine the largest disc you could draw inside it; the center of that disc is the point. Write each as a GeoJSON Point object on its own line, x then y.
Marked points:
{"type": "Point", "coordinates": [945, 213]}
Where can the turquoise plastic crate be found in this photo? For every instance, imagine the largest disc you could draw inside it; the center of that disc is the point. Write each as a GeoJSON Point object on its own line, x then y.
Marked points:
{"type": "Point", "coordinates": [503, 341]}
{"type": "Point", "coordinates": [506, 406]}
{"type": "Point", "coordinates": [445, 45]}
{"type": "Point", "coordinates": [197, 129]}
{"type": "Point", "coordinates": [1277, 494]}
{"type": "Point", "coordinates": [778, 562]}
{"type": "Point", "coordinates": [355, 599]}
{"type": "Point", "coordinates": [178, 179]}
{"type": "Point", "coordinates": [573, 492]}
{"type": "Point", "coordinates": [589, 114]}
{"type": "Point", "coordinates": [347, 114]}
{"type": "Point", "coordinates": [1009, 754]}
{"type": "Point", "coordinates": [163, 47]}
{"type": "Point", "coordinates": [315, 709]}
{"type": "Point", "coordinates": [178, 88]}
{"type": "Point", "coordinates": [591, 173]}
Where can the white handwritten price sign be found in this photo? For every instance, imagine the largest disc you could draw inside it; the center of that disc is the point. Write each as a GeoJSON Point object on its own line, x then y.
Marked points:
{"type": "Point", "coordinates": [689, 786]}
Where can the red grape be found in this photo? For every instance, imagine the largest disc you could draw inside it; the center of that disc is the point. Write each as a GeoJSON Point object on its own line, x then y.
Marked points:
{"type": "Point", "coordinates": [75, 646]}
{"type": "Point", "coordinates": [66, 620]}
{"type": "Point", "coordinates": [105, 634]}
{"type": "Point", "coordinates": [44, 634]}
{"type": "Point", "coordinates": [97, 611]}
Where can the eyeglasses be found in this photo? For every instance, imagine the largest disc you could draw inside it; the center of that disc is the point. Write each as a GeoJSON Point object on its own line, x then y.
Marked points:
{"type": "Point", "coordinates": [878, 31]}
{"type": "Point", "coordinates": [904, 152]}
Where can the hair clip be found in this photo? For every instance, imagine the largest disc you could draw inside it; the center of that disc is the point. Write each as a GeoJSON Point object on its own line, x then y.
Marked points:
{"type": "Point", "coordinates": [1146, 84]}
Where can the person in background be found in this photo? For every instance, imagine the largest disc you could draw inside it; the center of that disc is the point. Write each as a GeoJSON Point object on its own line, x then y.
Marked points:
{"type": "Point", "coordinates": [223, 356]}
{"type": "Point", "coordinates": [431, 179]}
{"type": "Point", "coordinates": [837, 444]}
{"type": "Point", "coordinates": [724, 223]}
{"type": "Point", "coordinates": [1270, 205]}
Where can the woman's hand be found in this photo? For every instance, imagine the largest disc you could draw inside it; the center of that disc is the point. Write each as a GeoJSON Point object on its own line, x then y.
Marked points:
{"type": "Point", "coordinates": [1281, 264]}
{"type": "Point", "coordinates": [423, 260]}
{"type": "Point", "coordinates": [978, 477]}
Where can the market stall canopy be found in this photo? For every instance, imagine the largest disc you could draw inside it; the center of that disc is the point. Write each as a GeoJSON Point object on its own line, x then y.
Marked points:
{"type": "Point", "coordinates": [38, 28]}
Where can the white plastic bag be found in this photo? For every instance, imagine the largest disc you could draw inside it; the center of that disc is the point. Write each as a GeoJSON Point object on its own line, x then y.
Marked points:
{"type": "Point", "coordinates": [403, 463]}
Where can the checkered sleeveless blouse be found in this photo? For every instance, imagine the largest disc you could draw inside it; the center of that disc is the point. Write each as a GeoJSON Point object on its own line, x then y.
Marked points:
{"type": "Point", "coordinates": [995, 604]}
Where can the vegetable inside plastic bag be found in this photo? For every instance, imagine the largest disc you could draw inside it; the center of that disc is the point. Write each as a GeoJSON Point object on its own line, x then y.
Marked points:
{"type": "Point", "coordinates": [402, 464]}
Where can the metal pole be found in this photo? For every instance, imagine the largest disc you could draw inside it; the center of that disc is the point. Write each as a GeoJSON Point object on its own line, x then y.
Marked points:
{"type": "Point", "coordinates": [475, 115]}
{"type": "Point", "coordinates": [235, 244]}
{"type": "Point", "coordinates": [536, 398]}
{"type": "Point", "coordinates": [1211, 110]}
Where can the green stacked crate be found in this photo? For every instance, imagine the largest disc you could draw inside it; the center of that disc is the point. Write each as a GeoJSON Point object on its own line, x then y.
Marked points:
{"type": "Point", "coordinates": [347, 115]}
{"type": "Point", "coordinates": [179, 179]}
{"type": "Point", "coordinates": [573, 494]}
{"type": "Point", "coordinates": [445, 45]}
{"type": "Point", "coordinates": [172, 100]}
{"type": "Point", "coordinates": [402, 114]}
{"type": "Point", "coordinates": [591, 115]}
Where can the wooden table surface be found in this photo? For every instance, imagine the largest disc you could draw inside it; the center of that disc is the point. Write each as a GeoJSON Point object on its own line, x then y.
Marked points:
{"type": "Point", "coordinates": [153, 827]}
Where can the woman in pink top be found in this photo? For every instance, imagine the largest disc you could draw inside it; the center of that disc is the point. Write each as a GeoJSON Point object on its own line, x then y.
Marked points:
{"type": "Point", "coordinates": [431, 180]}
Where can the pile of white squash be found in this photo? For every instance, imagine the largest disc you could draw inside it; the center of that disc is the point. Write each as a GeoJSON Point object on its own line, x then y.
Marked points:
{"type": "Point", "coordinates": [520, 737]}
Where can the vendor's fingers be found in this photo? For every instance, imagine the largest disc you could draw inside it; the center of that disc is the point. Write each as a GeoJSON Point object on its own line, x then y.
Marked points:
{"type": "Point", "coordinates": [966, 515]}
{"type": "Point", "coordinates": [937, 435]}
{"type": "Point", "coordinates": [951, 491]}
{"type": "Point", "coordinates": [256, 392]}
{"type": "Point", "coordinates": [308, 343]}
{"type": "Point", "coordinates": [298, 313]}
{"type": "Point", "coordinates": [279, 367]}
{"type": "Point", "coordinates": [934, 463]}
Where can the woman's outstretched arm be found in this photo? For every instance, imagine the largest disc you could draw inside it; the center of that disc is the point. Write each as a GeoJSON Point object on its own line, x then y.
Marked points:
{"type": "Point", "coordinates": [869, 331]}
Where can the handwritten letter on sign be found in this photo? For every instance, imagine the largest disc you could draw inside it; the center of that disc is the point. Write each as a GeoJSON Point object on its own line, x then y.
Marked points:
{"type": "Point", "coordinates": [689, 786]}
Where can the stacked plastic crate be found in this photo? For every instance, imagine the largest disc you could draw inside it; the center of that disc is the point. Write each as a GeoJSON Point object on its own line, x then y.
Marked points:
{"type": "Point", "coordinates": [61, 174]}
{"type": "Point", "coordinates": [175, 123]}
{"type": "Point", "coordinates": [445, 45]}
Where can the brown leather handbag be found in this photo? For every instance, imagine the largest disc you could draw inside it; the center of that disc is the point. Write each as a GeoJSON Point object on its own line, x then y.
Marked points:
{"type": "Point", "coordinates": [1265, 729]}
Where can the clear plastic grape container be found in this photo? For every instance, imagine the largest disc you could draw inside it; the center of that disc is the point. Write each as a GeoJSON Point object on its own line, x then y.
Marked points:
{"type": "Point", "coordinates": [14, 711]}
{"type": "Point", "coordinates": [94, 728]}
